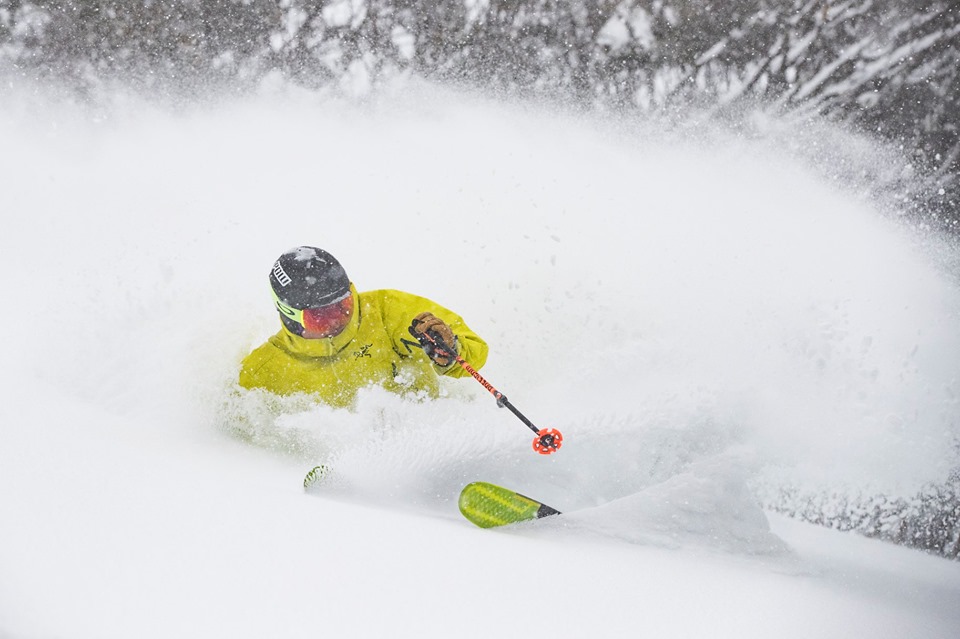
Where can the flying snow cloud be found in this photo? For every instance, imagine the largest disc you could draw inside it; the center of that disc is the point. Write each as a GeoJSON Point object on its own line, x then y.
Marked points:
{"type": "Point", "coordinates": [653, 295]}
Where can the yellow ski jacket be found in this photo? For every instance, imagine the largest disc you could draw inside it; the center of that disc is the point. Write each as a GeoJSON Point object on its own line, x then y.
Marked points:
{"type": "Point", "coordinates": [375, 349]}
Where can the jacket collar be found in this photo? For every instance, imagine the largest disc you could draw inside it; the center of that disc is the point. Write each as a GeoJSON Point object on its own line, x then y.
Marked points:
{"type": "Point", "coordinates": [327, 346]}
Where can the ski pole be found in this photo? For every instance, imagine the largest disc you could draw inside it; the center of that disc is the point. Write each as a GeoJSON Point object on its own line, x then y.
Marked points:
{"type": "Point", "coordinates": [547, 440]}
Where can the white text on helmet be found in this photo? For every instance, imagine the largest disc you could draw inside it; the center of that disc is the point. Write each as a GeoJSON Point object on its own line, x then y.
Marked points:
{"type": "Point", "coordinates": [280, 274]}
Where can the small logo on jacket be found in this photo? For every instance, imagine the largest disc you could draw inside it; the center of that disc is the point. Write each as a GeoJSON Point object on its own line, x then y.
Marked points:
{"type": "Point", "coordinates": [363, 352]}
{"type": "Point", "coordinates": [281, 274]}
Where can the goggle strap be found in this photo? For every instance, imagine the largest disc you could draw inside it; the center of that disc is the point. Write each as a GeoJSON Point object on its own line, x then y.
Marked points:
{"type": "Point", "coordinates": [297, 315]}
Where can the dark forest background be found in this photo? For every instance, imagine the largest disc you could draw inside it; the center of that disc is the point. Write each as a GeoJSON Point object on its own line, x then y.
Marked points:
{"type": "Point", "coordinates": [887, 68]}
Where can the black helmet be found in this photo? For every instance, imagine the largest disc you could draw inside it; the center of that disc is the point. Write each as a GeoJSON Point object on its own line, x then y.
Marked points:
{"type": "Point", "coordinates": [306, 278]}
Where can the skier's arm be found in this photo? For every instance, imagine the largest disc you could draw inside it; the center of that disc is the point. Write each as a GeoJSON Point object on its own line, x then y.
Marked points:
{"type": "Point", "coordinates": [404, 307]}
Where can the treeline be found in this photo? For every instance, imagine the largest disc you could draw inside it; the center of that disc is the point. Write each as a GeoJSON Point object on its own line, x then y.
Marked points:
{"type": "Point", "coordinates": [929, 521]}
{"type": "Point", "coordinates": [887, 67]}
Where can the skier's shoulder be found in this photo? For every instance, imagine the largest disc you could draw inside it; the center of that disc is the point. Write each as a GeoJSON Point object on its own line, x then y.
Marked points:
{"type": "Point", "coordinates": [387, 301]}
{"type": "Point", "coordinates": [261, 356]}
{"type": "Point", "coordinates": [387, 295]}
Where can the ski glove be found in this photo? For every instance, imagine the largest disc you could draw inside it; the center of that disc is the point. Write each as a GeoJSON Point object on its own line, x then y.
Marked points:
{"type": "Point", "coordinates": [429, 324]}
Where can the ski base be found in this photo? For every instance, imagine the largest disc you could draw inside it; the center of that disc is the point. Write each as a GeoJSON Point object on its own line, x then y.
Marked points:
{"type": "Point", "coordinates": [489, 506]}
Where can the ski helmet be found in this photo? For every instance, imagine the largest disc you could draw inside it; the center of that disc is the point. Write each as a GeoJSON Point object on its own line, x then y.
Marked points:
{"type": "Point", "coordinates": [305, 278]}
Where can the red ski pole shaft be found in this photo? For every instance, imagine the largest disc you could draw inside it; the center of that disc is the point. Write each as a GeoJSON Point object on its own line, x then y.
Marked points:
{"type": "Point", "coordinates": [550, 439]}
{"type": "Point", "coordinates": [502, 400]}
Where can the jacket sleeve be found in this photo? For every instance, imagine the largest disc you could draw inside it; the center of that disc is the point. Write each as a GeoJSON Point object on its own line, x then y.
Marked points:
{"type": "Point", "coordinates": [254, 370]}
{"type": "Point", "coordinates": [400, 308]}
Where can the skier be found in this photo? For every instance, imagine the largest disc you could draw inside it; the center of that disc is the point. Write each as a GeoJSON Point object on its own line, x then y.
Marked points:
{"type": "Point", "coordinates": [334, 341]}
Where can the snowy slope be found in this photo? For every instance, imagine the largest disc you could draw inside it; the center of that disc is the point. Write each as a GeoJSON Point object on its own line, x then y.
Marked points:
{"type": "Point", "coordinates": [695, 315]}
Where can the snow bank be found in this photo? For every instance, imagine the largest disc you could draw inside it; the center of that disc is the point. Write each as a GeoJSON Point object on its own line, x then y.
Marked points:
{"type": "Point", "coordinates": [709, 506]}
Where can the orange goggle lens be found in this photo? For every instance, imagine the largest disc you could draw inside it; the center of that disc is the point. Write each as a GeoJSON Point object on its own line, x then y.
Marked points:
{"type": "Point", "coordinates": [329, 320]}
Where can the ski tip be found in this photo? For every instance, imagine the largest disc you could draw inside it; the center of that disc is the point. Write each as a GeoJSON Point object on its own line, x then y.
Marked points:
{"type": "Point", "coordinates": [488, 506]}
{"type": "Point", "coordinates": [314, 478]}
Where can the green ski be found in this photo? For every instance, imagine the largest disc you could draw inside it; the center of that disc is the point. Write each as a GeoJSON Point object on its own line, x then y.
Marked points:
{"type": "Point", "coordinates": [488, 506]}
{"type": "Point", "coordinates": [315, 477]}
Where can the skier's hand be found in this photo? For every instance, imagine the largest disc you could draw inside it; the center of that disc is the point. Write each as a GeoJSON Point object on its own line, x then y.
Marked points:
{"type": "Point", "coordinates": [430, 324]}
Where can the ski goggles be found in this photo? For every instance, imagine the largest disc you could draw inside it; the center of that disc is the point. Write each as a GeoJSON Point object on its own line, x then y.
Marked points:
{"type": "Point", "coordinates": [323, 321]}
